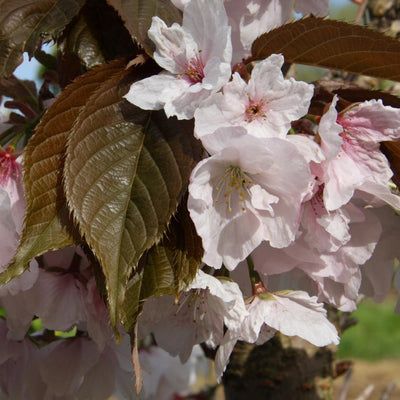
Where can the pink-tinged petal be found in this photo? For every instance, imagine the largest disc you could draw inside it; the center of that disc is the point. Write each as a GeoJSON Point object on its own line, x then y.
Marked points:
{"type": "Point", "coordinates": [22, 282]}
{"type": "Point", "coordinates": [19, 375]}
{"type": "Point", "coordinates": [297, 314]}
{"type": "Point", "coordinates": [358, 164]}
{"type": "Point", "coordinates": [307, 147]}
{"type": "Point", "coordinates": [197, 56]}
{"type": "Point", "coordinates": [230, 223]}
{"type": "Point", "coordinates": [97, 316]}
{"type": "Point", "coordinates": [262, 200]}
{"type": "Point", "coordinates": [207, 23]}
{"type": "Point", "coordinates": [73, 357]}
{"type": "Point", "coordinates": [170, 45]}
{"type": "Point", "coordinates": [181, 4]}
{"type": "Point", "coordinates": [203, 310]}
{"type": "Point", "coordinates": [237, 240]}
{"type": "Point", "coordinates": [262, 16]}
{"type": "Point", "coordinates": [220, 110]}
{"type": "Point", "coordinates": [184, 105]}
{"type": "Point", "coordinates": [216, 74]}
{"type": "Point", "coordinates": [154, 92]}
{"type": "Point", "coordinates": [379, 269]}
{"type": "Point", "coordinates": [62, 306]}
{"type": "Point", "coordinates": [224, 138]}
{"type": "Point", "coordinates": [329, 132]}
{"type": "Point", "coordinates": [224, 352]}
{"type": "Point", "coordinates": [335, 274]}
{"type": "Point", "coordinates": [372, 122]}
{"type": "Point", "coordinates": [265, 107]}
{"type": "Point", "coordinates": [18, 317]}
{"type": "Point", "coordinates": [100, 381]}
{"type": "Point", "coordinates": [286, 99]}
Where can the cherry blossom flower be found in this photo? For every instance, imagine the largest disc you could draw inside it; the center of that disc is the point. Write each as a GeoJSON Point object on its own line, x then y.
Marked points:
{"type": "Point", "coordinates": [196, 57]}
{"type": "Point", "coordinates": [353, 158]}
{"type": "Point", "coordinates": [87, 371]}
{"type": "Point", "coordinates": [165, 376]}
{"type": "Point", "coordinates": [333, 268]}
{"type": "Point", "coordinates": [293, 313]}
{"type": "Point", "coordinates": [199, 316]}
{"type": "Point", "coordinates": [248, 191]}
{"type": "Point", "coordinates": [251, 18]}
{"type": "Point", "coordinates": [265, 106]}
{"type": "Point", "coordinates": [12, 205]}
{"type": "Point", "coordinates": [19, 375]}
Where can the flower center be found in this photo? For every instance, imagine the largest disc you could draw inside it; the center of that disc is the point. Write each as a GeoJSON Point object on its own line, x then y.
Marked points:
{"type": "Point", "coordinates": [256, 110]}
{"type": "Point", "coordinates": [194, 70]}
{"type": "Point", "coordinates": [195, 302]}
{"type": "Point", "coordinates": [8, 165]}
{"type": "Point", "coordinates": [234, 182]}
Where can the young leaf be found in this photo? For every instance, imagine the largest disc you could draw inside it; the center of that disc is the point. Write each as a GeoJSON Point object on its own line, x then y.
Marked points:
{"type": "Point", "coordinates": [332, 44]}
{"type": "Point", "coordinates": [125, 172]}
{"type": "Point", "coordinates": [23, 21]}
{"type": "Point", "coordinates": [81, 41]}
{"type": "Point", "coordinates": [137, 15]}
{"type": "Point", "coordinates": [22, 91]}
{"type": "Point", "coordinates": [43, 163]}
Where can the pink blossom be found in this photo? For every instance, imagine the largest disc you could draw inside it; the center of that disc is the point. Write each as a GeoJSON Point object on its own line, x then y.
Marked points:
{"type": "Point", "coordinates": [265, 106]}
{"type": "Point", "coordinates": [333, 268]}
{"type": "Point", "coordinates": [196, 57]}
{"type": "Point", "coordinates": [12, 206]}
{"type": "Point", "coordinates": [19, 375]}
{"type": "Point", "coordinates": [165, 376]}
{"type": "Point", "coordinates": [353, 158]}
{"type": "Point", "coordinates": [76, 367]}
{"type": "Point", "coordinates": [199, 316]}
{"type": "Point", "coordinates": [248, 191]}
{"type": "Point", "coordinates": [293, 313]}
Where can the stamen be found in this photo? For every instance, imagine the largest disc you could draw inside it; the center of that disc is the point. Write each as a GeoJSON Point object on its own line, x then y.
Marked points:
{"type": "Point", "coordinates": [8, 165]}
{"type": "Point", "coordinates": [234, 181]}
{"type": "Point", "coordinates": [193, 71]}
{"type": "Point", "coordinates": [256, 109]}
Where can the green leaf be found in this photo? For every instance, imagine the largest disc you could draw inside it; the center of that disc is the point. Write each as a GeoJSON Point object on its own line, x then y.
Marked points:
{"type": "Point", "coordinates": [137, 15]}
{"type": "Point", "coordinates": [46, 215]}
{"type": "Point", "coordinates": [125, 172]}
{"type": "Point", "coordinates": [22, 22]}
{"type": "Point", "coordinates": [332, 44]}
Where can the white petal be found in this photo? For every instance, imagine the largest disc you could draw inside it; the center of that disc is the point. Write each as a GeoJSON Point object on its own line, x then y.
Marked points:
{"type": "Point", "coordinates": [297, 314]}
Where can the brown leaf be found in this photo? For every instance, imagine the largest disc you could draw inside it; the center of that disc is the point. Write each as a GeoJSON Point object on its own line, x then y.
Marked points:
{"type": "Point", "coordinates": [47, 213]}
{"type": "Point", "coordinates": [348, 93]}
{"type": "Point", "coordinates": [332, 44]}
{"type": "Point", "coordinates": [126, 170]}
{"type": "Point", "coordinates": [22, 22]}
{"type": "Point", "coordinates": [392, 153]}
{"type": "Point", "coordinates": [137, 15]}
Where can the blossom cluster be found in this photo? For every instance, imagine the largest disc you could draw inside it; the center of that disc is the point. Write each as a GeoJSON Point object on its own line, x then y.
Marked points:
{"type": "Point", "coordinates": [290, 215]}
{"type": "Point", "coordinates": [287, 217]}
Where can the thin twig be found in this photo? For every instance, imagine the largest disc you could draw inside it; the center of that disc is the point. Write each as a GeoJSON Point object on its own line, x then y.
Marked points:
{"type": "Point", "coordinates": [346, 385]}
{"type": "Point", "coordinates": [366, 393]}
{"type": "Point", "coordinates": [360, 12]}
